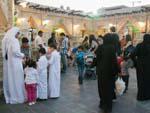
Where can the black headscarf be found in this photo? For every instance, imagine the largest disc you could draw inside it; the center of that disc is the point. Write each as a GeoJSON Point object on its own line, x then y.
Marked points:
{"type": "Point", "coordinates": [143, 49]}
{"type": "Point", "coordinates": [146, 39]}
{"type": "Point", "coordinates": [108, 39]}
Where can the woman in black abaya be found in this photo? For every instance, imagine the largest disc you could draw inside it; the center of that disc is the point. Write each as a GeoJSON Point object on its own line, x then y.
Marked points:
{"type": "Point", "coordinates": [106, 68]}
{"type": "Point", "coordinates": [142, 56]}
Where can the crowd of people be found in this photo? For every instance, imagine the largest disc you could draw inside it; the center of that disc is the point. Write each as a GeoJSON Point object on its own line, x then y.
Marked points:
{"type": "Point", "coordinates": [27, 79]}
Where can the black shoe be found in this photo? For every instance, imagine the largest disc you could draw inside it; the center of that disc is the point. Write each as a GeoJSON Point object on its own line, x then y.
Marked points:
{"type": "Point", "coordinates": [41, 99]}
{"type": "Point", "coordinates": [107, 111]}
{"type": "Point", "coordinates": [63, 72]}
{"type": "Point", "coordinates": [100, 106]}
{"type": "Point", "coordinates": [54, 98]}
{"type": "Point", "coordinates": [80, 82]}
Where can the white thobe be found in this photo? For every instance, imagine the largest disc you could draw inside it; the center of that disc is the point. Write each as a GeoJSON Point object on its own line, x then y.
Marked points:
{"type": "Point", "coordinates": [15, 73]}
{"type": "Point", "coordinates": [5, 70]}
{"type": "Point", "coordinates": [42, 84]}
{"type": "Point", "coordinates": [54, 75]}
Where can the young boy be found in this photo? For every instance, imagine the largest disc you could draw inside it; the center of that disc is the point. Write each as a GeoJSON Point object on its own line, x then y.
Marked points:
{"type": "Point", "coordinates": [80, 63]}
{"type": "Point", "coordinates": [125, 65]}
{"type": "Point", "coordinates": [54, 72]}
{"type": "Point", "coordinates": [31, 81]}
{"type": "Point", "coordinates": [42, 71]}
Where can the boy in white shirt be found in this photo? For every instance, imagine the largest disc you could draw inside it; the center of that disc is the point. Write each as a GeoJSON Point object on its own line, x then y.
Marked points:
{"type": "Point", "coordinates": [42, 71]}
{"type": "Point", "coordinates": [54, 72]}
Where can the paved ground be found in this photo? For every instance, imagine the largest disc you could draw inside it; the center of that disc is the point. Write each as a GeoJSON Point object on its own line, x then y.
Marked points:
{"type": "Point", "coordinates": [80, 99]}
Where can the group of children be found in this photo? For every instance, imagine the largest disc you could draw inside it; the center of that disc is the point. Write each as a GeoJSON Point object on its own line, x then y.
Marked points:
{"type": "Point", "coordinates": [37, 82]}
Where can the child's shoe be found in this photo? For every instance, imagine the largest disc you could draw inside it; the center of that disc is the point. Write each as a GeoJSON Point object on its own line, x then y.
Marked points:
{"type": "Point", "coordinates": [33, 103]}
{"type": "Point", "coordinates": [30, 103]}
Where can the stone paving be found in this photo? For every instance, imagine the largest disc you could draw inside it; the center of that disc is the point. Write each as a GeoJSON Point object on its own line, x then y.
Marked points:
{"type": "Point", "coordinates": [81, 99]}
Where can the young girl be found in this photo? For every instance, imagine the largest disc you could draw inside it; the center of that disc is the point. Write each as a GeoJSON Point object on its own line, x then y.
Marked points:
{"type": "Point", "coordinates": [42, 71]}
{"type": "Point", "coordinates": [31, 80]}
{"type": "Point", "coordinates": [54, 72]}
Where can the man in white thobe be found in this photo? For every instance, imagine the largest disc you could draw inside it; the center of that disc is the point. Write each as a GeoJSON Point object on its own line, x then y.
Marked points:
{"type": "Point", "coordinates": [54, 72]}
{"type": "Point", "coordinates": [14, 89]}
{"type": "Point", "coordinates": [5, 66]}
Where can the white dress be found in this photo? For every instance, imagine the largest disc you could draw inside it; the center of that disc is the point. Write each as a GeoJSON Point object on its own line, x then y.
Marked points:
{"type": "Point", "coordinates": [54, 75]}
{"type": "Point", "coordinates": [15, 73]}
{"type": "Point", "coordinates": [42, 84]}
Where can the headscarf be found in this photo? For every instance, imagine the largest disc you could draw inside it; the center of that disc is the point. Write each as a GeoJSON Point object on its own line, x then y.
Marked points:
{"type": "Point", "coordinates": [143, 49]}
{"type": "Point", "coordinates": [107, 40]}
{"type": "Point", "coordinates": [146, 39]}
{"type": "Point", "coordinates": [8, 38]}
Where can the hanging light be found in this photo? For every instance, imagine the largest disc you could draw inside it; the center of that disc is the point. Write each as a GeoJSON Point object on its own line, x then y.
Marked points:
{"type": "Point", "coordinates": [23, 4]}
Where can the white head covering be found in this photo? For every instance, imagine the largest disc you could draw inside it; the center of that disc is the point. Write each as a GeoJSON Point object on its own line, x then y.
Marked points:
{"type": "Point", "coordinates": [9, 36]}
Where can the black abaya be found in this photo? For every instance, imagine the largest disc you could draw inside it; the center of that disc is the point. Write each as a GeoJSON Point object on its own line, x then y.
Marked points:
{"type": "Point", "coordinates": [142, 55]}
{"type": "Point", "coordinates": [107, 68]}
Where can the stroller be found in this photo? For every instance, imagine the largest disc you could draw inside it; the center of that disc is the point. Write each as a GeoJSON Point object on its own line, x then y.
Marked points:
{"type": "Point", "coordinates": [90, 72]}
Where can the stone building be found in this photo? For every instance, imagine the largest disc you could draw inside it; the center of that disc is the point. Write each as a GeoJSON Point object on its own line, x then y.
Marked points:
{"type": "Point", "coordinates": [132, 20]}
{"type": "Point", "coordinates": [72, 22]}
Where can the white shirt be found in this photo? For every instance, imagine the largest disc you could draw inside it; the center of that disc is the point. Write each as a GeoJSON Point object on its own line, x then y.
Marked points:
{"type": "Point", "coordinates": [94, 44]}
{"type": "Point", "coordinates": [65, 43]}
{"type": "Point", "coordinates": [64, 46]}
{"type": "Point", "coordinates": [42, 64]}
{"type": "Point", "coordinates": [31, 75]}
{"type": "Point", "coordinates": [39, 41]}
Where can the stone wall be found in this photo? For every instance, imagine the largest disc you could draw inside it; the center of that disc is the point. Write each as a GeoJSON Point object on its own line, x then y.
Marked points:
{"type": "Point", "coordinates": [6, 10]}
{"type": "Point", "coordinates": [72, 24]}
{"type": "Point", "coordinates": [1, 66]}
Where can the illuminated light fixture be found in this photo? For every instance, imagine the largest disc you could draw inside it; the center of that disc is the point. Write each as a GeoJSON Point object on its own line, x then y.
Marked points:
{"type": "Point", "coordinates": [21, 20]}
{"type": "Point", "coordinates": [23, 4]}
{"type": "Point", "coordinates": [59, 30]}
{"type": "Point", "coordinates": [45, 22]}
{"type": "Point", "coordinates": [76, 26]}
{"type": "Point", "coordinates": [141, 24]}
{"type": "Point", "coordinates": [110, 25]}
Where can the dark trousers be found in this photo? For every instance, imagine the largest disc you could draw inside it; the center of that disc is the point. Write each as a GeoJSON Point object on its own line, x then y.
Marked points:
{"type": "Point", "coordinates": [64, 62]}
{"type": "Point", "coordinates": [106, 92]}
{"type": "Point", "coordinates": [126, 80]}
{"type": "Point", "coordinates": [81, 73]}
